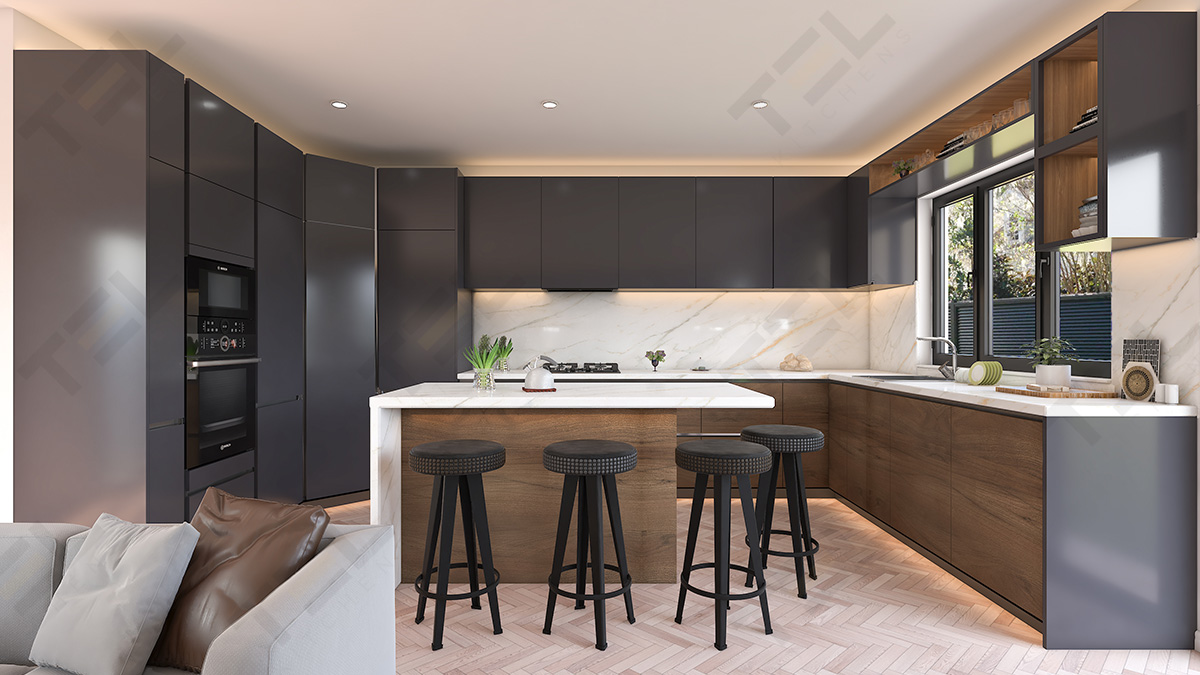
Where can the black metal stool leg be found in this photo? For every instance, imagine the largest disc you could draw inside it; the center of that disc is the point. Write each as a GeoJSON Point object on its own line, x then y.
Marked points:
{"type": "Point", "coordinates": [689, 553]}
{"type": "Point", "coordinates": [484, 534]}
{"type": "Point", "coordinates": [766, 511]}
{"type": "Point", "coordinates": [464, 495]}
{"type": "Point", "coordinates": [560, 545]}
{"type": "Point", "coordinates": [812, 563]}
{"type": "Point", "coordinates": [721, 569]}
{"type": "Point", "coordinates": [596, 530]}
{"type": "Point", "coordinates": [581, 544]}
{"type": "Point", "coordinates": [431, 537]}
{"type": "Point", "coordinates": [618, 534]}
{"type": "Point", "coordinates": [793, 500]}
{"type": "Point", "coordinates": [755, 555]}
{"type": "Point", "coordinates": [449, 496]}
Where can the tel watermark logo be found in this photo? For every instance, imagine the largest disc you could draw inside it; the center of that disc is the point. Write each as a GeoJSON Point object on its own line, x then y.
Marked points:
{"type": "Point", "coordinates": [829, 63]}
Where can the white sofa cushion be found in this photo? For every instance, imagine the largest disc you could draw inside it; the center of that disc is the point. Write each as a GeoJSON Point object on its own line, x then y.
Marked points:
{"type": "Point", "coordinates": [31, 557]}
{"type": "Point", "coordinates": [107, 613]}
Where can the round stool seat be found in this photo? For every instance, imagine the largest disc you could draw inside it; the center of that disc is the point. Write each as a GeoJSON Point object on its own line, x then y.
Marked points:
{"type": "Point", "coordinates": [785, 438]}
{"type": "Point", "coordinates": [456, 458]}
{"type": "Point", "coordinates": [723, 457]}
{"type": "Point", "coordinates": [589, 457]}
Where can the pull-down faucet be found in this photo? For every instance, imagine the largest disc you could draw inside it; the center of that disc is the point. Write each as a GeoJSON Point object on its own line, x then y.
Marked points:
{"type": "Point", "coordinates": [947, 369]}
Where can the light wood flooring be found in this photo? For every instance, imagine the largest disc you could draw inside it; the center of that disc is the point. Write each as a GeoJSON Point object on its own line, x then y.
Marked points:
{"type": "Point", "coordinates": [877, 607]}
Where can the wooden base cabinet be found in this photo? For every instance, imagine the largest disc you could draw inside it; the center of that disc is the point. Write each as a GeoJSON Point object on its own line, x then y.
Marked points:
{"type": "Point", "coordinates": [920, 464]}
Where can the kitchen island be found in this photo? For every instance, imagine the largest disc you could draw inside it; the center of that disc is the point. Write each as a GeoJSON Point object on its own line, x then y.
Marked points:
{"type": "Point", "coordinates": [523, 497]}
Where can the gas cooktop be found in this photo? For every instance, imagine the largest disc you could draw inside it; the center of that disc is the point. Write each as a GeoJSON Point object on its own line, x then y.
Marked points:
{"type": "Point", "coordinates": [585, 368]}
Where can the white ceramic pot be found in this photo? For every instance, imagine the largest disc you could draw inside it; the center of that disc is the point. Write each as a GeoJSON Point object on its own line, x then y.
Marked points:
{"type": "Point", "coordinates": [1058, 376]}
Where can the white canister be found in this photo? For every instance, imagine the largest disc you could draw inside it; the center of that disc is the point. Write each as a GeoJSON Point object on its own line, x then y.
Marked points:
{"type": "Point", "coordinates": [1166, 393]}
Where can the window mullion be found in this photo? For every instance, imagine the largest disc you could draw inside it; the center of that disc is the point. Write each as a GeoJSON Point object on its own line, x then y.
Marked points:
{"type": "Point", "coordinates": [983, 274]}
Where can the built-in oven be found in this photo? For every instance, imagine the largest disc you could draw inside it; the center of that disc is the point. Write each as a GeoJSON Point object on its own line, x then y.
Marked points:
{"type": "Point", "coordinates": [222, 361]}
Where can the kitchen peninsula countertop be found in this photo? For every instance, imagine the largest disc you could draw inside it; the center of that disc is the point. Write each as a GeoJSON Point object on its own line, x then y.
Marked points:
{"type": "Point", "coordinates": [658, 395]}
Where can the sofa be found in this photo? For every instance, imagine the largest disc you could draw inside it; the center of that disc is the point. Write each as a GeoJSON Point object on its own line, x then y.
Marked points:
{"type": "Point", "coordinates": [335, 615]}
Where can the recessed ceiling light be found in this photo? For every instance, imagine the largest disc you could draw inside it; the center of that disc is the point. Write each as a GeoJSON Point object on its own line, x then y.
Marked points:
{"type": "Point", "coordinates": [759, 104]}
{"type": "Point", "coordinates": [549, 105]}
{"type": "Point", "coordinates": [340, 105]}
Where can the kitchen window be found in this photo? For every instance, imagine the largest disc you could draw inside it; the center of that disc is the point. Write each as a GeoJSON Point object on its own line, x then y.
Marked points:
{"type": "Point", "coordinates": [995, 295]}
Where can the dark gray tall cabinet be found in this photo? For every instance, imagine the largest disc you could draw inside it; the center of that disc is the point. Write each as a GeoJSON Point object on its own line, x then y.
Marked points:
{"type": "Point", "coordinates": [425, 317]}
{"type": "Point", "coordinates": [99, 278]}
{"type": "Point", "coordinates": [339, 325]}
{"type": "Point", "coordinates": [279, 178]}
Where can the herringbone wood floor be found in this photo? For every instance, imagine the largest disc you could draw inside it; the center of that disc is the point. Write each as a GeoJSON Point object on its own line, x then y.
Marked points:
{"type": "Point", "coordinates": [877, 607]}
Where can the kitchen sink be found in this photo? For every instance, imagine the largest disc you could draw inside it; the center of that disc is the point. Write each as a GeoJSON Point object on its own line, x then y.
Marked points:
{"type": "Point", "coordinates": [927, 378]}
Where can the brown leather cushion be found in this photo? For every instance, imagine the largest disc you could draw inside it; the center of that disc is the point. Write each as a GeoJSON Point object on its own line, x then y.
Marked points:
{"type": "Point", "coordinates": [247, 548]}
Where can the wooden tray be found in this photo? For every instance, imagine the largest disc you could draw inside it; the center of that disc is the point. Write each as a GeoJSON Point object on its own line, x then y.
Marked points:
{"type": "Point", "coordinates": [1074, 393]}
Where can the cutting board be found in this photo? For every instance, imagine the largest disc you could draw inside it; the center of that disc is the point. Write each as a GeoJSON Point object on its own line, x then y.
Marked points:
{"type": "Point", "coordinates": [1074, 393]}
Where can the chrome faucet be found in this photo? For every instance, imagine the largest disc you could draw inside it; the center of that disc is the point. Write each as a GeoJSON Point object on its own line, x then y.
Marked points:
{"type": "Point", "coordinates": [946, 369]}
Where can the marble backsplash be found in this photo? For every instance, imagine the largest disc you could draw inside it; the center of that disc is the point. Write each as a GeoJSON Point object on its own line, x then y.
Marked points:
{"type": "Point", "coordinates": [894, 329]}
{"type": "Point", "coordinates": [726, 329]}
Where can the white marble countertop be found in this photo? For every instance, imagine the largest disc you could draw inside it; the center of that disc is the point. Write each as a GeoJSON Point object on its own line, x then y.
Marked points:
{"type": "Point", "coordinates": [577, 395]}
{"type": "Point", "coordinates": [679, 375]}
{"type": "Point", "coordinates": [1042, 407]}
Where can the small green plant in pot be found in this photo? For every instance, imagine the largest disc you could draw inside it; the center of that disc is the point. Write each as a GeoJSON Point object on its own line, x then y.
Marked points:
{"type": "Point", "coordinates": [506, 349]}
{"type": "Point", "coordinates": [483, 357]}
{"type": "Point", "coordinates": [1047, 355]}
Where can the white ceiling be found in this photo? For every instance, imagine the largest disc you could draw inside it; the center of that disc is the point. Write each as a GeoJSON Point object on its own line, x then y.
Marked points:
{"type": "Point", "coordinates": [640, 82]}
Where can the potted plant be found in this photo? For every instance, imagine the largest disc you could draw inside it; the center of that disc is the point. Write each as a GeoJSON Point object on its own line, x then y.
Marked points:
{"type": "Point", "coordinates": [506, 349]}
{"type": "Point", "coordinates": [1046, 355]}
{"type": "Point", "coordinates": [903, 167]}
{"type": "Point", "coordinates": [656, 357]}
{"type": "Point", "coordinates": [482, 358]}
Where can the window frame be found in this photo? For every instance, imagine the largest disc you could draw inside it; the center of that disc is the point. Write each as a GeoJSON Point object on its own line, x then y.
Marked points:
{"type": "Point", "coordinates": [1046, 289]}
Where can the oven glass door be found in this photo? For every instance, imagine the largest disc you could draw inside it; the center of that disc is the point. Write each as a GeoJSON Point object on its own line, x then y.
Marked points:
{"type": "Point", "coordinates": [219, 289]}
{"type": "Point", "coordinates": [220, 414]}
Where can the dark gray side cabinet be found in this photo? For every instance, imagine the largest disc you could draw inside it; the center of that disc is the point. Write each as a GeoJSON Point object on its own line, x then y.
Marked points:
{"type": "Point", "coordinates": [339, 325]}
{"type": "Point", "coordinates": [579, 233]}
{"type": "Point", "coordinates": [734, 233]}
{"type": "Point", "coordinates": [881, 236]}
{"type": "Point", "coordinates": [503, 222]}
{"type": "Point", "coordinates": [657, 233]}
{"type": "Point", "coordinates": [810, 232]}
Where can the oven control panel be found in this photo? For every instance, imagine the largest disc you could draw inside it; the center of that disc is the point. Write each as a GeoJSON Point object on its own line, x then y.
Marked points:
{"type": "Point", "coordinates": [220, 337]}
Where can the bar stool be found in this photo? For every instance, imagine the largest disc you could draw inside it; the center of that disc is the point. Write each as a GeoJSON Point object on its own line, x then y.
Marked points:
{"type": "Point", "coordinates": [723, 459]}
{"type": "Point", "coordinates": [591, 466]}
{"type": "Point", "coordinates": [787, 443]}
{"type": "Point", "coordinates": [458, 467]}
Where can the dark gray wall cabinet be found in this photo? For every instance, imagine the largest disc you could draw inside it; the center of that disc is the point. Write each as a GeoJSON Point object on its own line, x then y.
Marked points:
{"type": "Point", "coordinates": [657, 219]}
{"type": "Point", "coordinates": [810, 232]}
{"type": "Point", "coordinates": [881, 236]}
{"type": "Point", "coordinates": [419, 198]}
{"type": "Point", "coordinates": [220, 141]}
{"type": "Point", "coordinates": [579, 233]}
{"type": "Point", "coordinates": [279, 172]}
{"type": "Point", "coordinates": [220, 220]}
{"type": "Point", "coordinates": [734, 232]}
{"type": "Point", "coordinates": [339, 192]}
{"type": "Point", "coordinates": [503, 221]}
{"type": "Point", "coordinates": [167, 115]}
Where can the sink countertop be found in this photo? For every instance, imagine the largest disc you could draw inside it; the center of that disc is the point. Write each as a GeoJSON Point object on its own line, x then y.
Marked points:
{"type": "Point", "coordinates": [577, 395]}
{"type": "Point", "coordinates": [665, 375]}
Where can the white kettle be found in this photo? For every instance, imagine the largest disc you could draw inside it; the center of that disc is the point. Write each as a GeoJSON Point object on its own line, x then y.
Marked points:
{"type": "Point", "coordinates": [539, 377]}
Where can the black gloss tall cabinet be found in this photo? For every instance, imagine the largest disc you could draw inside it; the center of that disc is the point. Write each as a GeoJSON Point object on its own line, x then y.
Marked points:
{"type": "Point", "coordinates": [339, 325]}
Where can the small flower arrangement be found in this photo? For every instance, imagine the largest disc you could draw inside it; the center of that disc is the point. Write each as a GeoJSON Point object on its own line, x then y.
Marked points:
{"type": "Point", "coordinates": [903, 167]}
{"type": "Point", "coordinates": [656, 357]}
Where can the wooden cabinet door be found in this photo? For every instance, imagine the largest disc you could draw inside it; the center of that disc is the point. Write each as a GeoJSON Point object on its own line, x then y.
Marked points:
{"type": "Point", "coordinates": [997, 504]}
{"type": "Point", "coordinates": [848, 447]}
{"type": "Point", "coordinates": [877, 454]}
{"type": "Point", "coordinates": [806, 404]}
{"type": "Point", "coordinates": [732, 421]}
{"type": "Point", "coordinates": [920, 468]}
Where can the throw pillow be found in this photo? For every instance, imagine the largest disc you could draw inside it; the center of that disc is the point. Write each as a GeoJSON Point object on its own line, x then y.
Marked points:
{"type": "Point", "coordinates": [247, 548]}
{"type": "Point", "coordinates": [107, 614]}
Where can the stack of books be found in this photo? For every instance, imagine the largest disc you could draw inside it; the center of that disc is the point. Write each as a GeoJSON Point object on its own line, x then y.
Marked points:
{"type": "Point", "coordinates": [1090, 117]}
{"type": "Point", "coordinates": [1088, 212]}
{"type": "Point", "coordinates": [953, 145]}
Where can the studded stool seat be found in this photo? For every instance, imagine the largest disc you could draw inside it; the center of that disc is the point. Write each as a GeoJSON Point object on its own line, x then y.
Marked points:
{"type": "Point", "coordinates": [456, 458]}
{"type": "Point", "coordinates": [723, 457]}
{"type": "Point", "coordinates": [589, 457]}
{"type": "Point", "coordinates": [785, 438]}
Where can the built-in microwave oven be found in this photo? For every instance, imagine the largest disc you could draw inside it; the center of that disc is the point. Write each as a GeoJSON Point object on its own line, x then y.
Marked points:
{"type": "Point", "coordinates": [217, 289]}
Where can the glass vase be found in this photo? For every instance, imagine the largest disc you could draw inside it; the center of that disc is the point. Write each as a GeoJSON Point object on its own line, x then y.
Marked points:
{"type": "Point", "coordinates": [502, 364]}
{"type": "Point", "coordinates": [485, 380]}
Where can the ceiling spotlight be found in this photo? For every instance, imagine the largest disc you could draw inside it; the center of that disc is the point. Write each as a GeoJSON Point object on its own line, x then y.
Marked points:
{"type": "Point", "coordinates": [549, 105]}
{"type": "Point", "coordinates": [340, 105]}
{"type": "Point", "coordinates": [759, 104]}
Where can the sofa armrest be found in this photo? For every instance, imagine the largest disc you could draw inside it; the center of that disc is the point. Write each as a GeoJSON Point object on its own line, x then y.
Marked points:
{"type": "Point", "coordinates": [336, 615]}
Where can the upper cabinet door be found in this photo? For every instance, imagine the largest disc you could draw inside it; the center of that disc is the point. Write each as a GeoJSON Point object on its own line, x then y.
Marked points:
{"type": "Point", "coordinates": [339, 192]}
{"type": "Point", "coordinates": [734, 233]}
{"type": "Point", "coordinates": [220, 141]}
{"type": "Point", "coordinates": [279, 172]}
{"type": "Point", "coordinates": [167, 114]}
{"type": "Point", "coordinates": [657, 233]}
{"type": "Point", "coordinates": [419, 199]}
{"type": "Point", "coordinates": [504, 232]}
{"type": "Point", "coordinates": [579, 233]}
{"type": "Point", "coordinates": [810, 232]}
{"type": "Point", "coordinates": [220, 220]}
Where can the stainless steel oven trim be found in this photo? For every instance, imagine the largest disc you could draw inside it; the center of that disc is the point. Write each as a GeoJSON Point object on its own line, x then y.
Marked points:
{"type": "Point", "coordinates": [224, 362]}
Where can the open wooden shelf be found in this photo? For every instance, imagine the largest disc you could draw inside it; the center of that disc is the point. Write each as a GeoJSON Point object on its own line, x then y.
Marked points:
{"type": "Point", "coordinates": [1069, 86]}
{"type": "Point", "coordinates": [979, 109]}
{"type": "Point", "coordinates": [1067, 178]}
{"type": "Point", "coordinates": [1076, 143]}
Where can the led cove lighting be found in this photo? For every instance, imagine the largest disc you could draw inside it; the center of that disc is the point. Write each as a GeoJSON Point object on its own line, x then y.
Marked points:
{"type": "Point", "coordinates": [340, 105]}
{"type": "Point", "coordinates": [549, 105]}
{"type": "Point", "coordinates": [759, 104]}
